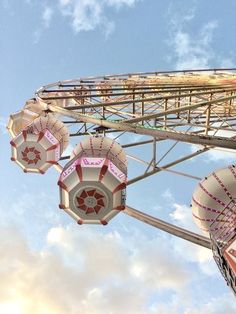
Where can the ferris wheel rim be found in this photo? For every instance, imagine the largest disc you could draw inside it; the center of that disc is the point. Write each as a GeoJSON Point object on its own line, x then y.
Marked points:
{"type": "Point", "coordinates": [186, 71]}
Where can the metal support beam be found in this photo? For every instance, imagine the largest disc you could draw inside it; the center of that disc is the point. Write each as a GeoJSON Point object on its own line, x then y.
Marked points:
{"type": "Point", "coordinates": [181, 108]}
{"type": "Point", "coordinates": [167, 227]}
{"type": "Point", "coordinates": [162, 134]}
{"type": "Point", "coordinates": [124, 146]}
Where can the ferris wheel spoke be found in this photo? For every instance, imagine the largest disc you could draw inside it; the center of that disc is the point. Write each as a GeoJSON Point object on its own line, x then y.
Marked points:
{"type": "Point", "coordinates": [179, 136]}
{"type": "Point", "coordinates": [169, 228]}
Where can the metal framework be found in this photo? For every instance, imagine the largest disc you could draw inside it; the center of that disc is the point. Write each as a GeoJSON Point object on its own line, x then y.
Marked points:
{"type": "Point", "coordinates": [192, 107]}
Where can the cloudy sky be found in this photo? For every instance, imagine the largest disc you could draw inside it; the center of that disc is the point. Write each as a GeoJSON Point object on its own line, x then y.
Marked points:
{"type": "Point", "coordinates": [48, 264]}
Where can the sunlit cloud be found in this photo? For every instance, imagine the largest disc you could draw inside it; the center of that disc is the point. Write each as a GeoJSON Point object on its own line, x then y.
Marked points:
{"type": "Point", "coordinates": [94, 271]}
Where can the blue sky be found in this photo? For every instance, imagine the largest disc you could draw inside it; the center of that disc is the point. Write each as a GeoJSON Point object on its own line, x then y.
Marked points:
{"type": "Point", "coordinates": [48, 263]}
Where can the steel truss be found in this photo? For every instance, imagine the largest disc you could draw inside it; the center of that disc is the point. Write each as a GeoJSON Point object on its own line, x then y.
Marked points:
{"type": "Point", "coordinates": [192, 107]}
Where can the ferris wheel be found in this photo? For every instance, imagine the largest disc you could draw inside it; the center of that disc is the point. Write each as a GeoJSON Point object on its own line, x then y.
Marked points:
{"type": "Point", "coordinates": [194, 107]}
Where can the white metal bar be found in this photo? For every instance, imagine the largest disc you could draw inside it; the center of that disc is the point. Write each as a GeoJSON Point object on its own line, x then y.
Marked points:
{"type": "Point", "coordinates": [170, 228]}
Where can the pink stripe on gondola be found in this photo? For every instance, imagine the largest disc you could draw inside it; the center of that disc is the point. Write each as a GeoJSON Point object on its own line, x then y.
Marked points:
{"type": "Point", "coordinates": [209, 219]}
{"type": "Point", "coordinates": [211, 195]}
{"type": "Point", "coordinates": [207, 208]}
{"type": "Point", "coordinates": [231, 168]}
{"type": "Point", "coordinates": [222, 185]}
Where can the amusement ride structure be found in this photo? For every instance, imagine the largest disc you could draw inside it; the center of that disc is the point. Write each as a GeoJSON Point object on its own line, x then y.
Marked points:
{"type": "Point", "coordinates": [194, 107]}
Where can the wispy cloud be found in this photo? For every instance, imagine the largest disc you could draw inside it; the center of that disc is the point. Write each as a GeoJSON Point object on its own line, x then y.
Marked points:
{"type": "Point", "coordinates": [3, 123]}
{"type": "Point", "coordinates": [46, 18]}
{"type": "Point", "coordinates": [194, 50]}
{"type": "Point", "coordinates": [168, 196]}
{"type": "Point", "coordinates": [120, 3]}
{"type": "Point", "coordinates": [5, 4]}
{"type": "Point", "coordinates": [86, 15]}
{"type": "Point", "coordinates": [182, 215]}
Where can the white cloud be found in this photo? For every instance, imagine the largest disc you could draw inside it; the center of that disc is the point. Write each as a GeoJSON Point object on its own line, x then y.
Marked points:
{"type": "Point", "coordinates": [3, 123]}
{"type": "Point", "coordinates": [220, 305]}
{"type": "Point", "coordinates": [47, 16]}
{"type": "Point", "coordinates": [182, 216]}
{"type": "Point", "coordinates": [134, 138]}
{"type": "Point", "coordinates": [31, 210]}
{"type": "Point", "coordinates": [202, 257]}
{"type": "Point", "coordinates": [5, 4]}
{"type": "Point", "coordinates": [46, 19]}
{"type": "Point", "coordinates": [192, 52]}
{"type": "Point", "coordinates": [216, 155]}
{"type": "Point", "coordinates": [120, 3]}
{"type": "Point", "coordinates": [87, 15]}
{"type": "Point", "coordinates": [109, 28]}
{"type": "Point", "coordinates": [131, 260]}
{"type": "Point", "coordinates": [37, 35]}
{"type": "Point", "coordinates": [168, 196]}
{"type": "Point", "coordinates": [96, 268]}
{"type": "Point", "coordinates": [80, 267]}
